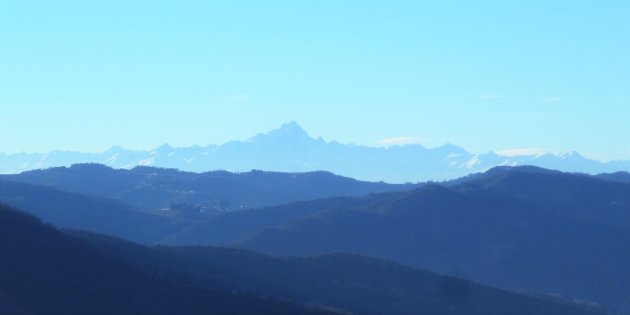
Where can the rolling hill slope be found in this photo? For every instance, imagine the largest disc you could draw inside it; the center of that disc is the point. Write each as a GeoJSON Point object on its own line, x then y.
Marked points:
{"type": "Point", "coordinates": [70, 210]}
{"type": "Point", "coordinates": [524, 229]}
{"type": "Point", "coordinates": [43, 271]}
{"type": "Point", "coordinates": [348, 283]}
{"type": "Point", "coordinates": [151, 188]}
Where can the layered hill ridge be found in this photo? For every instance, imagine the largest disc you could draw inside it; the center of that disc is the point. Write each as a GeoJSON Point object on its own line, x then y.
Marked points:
{"type": "Point", "coordinates": [521, 228]}
{"type": "Point", "coordinates": [290, 149]}
{"type": "Point", "coordinates": [517, 228]}
{"type": "Point", "coordinates": [98, 214]}
{"type": "Point", "coordinates": [148, 204]}
{"type": "Point", "coordinates": [151, 188]}
{"type": "Point", "coordinates": [46, 272]}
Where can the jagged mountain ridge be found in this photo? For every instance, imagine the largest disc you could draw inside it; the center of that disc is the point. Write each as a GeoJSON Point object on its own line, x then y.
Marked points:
{"type": "Point", "coordinates": [291, 149]}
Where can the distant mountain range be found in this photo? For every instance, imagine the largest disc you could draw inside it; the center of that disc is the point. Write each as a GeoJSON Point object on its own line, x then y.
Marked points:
{"type": "Point", "coordinates": [290, 149]}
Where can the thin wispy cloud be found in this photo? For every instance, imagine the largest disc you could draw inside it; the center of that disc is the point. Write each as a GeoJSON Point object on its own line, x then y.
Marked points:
{"type": "Point", "coordinates": [401, 141]}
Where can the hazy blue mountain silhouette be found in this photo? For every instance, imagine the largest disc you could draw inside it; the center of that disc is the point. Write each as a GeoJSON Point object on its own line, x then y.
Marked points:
{"type": "Point", "coordinates": [623, 177]}
{"type": "Point", "coordinates": [151, 188]}
{"type": "Point", "coordinates": [70, 210]}
{"type": "Point", "coordinates": [290, 149]}
{"type": "Point", "coordinates": [230, 227]}
{"type": "Point", "coordinates": [149, 205]}
{"type": "Point", "coordinates": [519, 228]}
{"type": "Point", "coordinates": [46, 272]}
{"type": "Point", "coordinates": [522, 228]}
{"type": "Point", "coordinates": [345, 282]}
{"type": "Point", "coordinates": [112, 217]}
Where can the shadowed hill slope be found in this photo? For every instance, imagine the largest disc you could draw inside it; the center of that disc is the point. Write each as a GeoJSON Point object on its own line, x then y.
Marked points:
{"type": "Point", "coordinates": [545, 232]}
{"type": "Point", "coordinates": [349, 283]}
{"type": "Point", "coordinates": [45, 272]}
{"type": "Point", "coordinates": [70, 210]}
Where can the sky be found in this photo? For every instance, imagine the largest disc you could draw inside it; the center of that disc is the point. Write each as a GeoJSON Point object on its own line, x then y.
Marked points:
{"type": "Point", "coordinates": [484, 75]}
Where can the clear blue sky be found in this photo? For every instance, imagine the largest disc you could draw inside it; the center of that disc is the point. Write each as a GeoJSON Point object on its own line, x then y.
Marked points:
{"type": "Point", "coordinates": [485, 75]}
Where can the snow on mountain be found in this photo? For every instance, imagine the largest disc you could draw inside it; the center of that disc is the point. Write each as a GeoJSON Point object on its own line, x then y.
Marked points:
{"type": "Point", "coordinates": [291, 149]}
